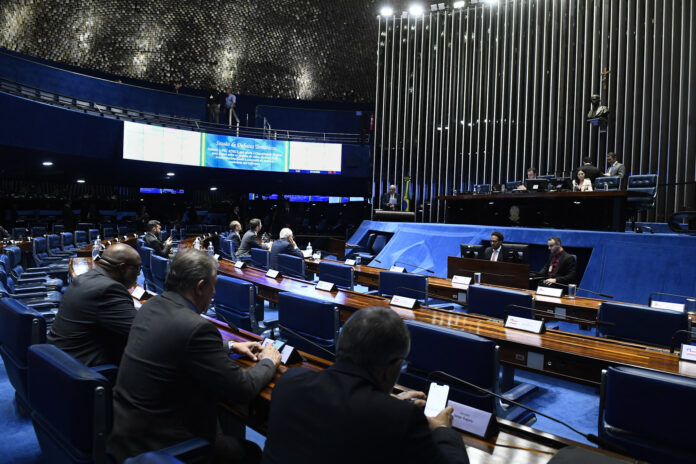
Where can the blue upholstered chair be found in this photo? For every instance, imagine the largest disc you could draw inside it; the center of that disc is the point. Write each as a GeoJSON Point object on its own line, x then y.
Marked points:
{"type": "Point", "coordinates": [642, 324]}
{"type": "Point", "coordinates": [108, 232]}
{"type": "Point", "coordinates": [227, 249]}
{"type": "Point", "coordinates": [612, 183]}
{"type": "Point", "coordinates": [67, 242]}
{"type": "Point", "coordinates": [649, 414]}
{"type": "Point", "coordinates": [375, 243]}
{"type": "Point", "coordinates": [41, 256]}
{"type": "Point", "coordinates": [512, 185]}
{"type": "Point", "coordinates": [145, 258]}
{"type": "Point", "coordinates": [473, 359]}
{"type": "Point", "coordinates": [55, 249]}
{"type": "Point", "coordinates": [339, 274]}
{"type": "Point", "coordinates": [159, 267]}
{"type": "Point", "coordinates": [53, 276]}
{"type": "Point", "coordinates": [645, 183]}
{"type": "Point", "coordinates": [236, 301]}
{"type": "Point", "coordinates": [291, 265]}
{"type": "Point", "coordinates": [92, 235]}
{"type": "Point", "coordinates": [58, 228]}
{"type": "Point", "coordinates": [38, 231]}
{"type": "Point", "coordinates": [20, 327]}
{"type": "Point", "coordinates": [495, 302]}
{"type": "Point", "coordinates": [260, 258]}
{"type": "Point", "coordinates": [19, 233]}
{"type": "Point", "coordinates": [313, 319]}
{"type": "Point", "coordinates": [122, 230]}
{"type": "Point", "coordinates": [402, 284]}
{"type": "Point", "coordinates": [36, 295]}
{"type": "Point", "coordinates": [80, 238]}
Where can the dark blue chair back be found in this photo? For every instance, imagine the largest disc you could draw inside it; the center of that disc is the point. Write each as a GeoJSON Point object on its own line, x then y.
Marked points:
{"type": "Point", "coordinates": [512, 185]}
{"type": "Point", "coordinates": [476, 361]}
{"type": "Point", "coordinates": [80, 238]}
{"type": "Point", "coordinates": [260, 258]}
{"type": "Point", "coordinates": [146, 258]}
{"type": "Point", "coordinates": [642, 324]}
{"type": "Point", "coordinates": [53, 243]}
{"type": "Point", "coordinates": [378, 244]}
{"type": "Point", "coordinates": [122, 230]}
{"type": "Point", "coordinates": [236, 302]}
{"type": "Point", "coordinates": [58, 228]}
{"type": "Point", "coordinates": [153, 457]}
{"type": "Point", "coordinates": [66, 239]}
{"type": "Point", "coordinates": [226, 248]}
{"type": "Point", "coordinates": [402, 284]}
{"type": "Point", "coordinates": [313, 319]}
{"type": "Point", "coordinates": [645, 183]}
{"type": "Point", "coordinates": [19, 232]}
{"type": "Point", "coordinates": [649, 414]}
{"type": "Point", "coordinates": [612, 183]}
{"type": "Point", "coordinates": [494, 302]}
{"type": "Point", "coordinates": [291, 265]}
{"type": "Point", "coordinates": [339, 274]}
{"type": "Point", "coordinates": [482, 188]}
{"type": "Point", "coordinates": [92, 234]}
{"type": "Point", "coordinates": [38, 231]}
{"type": "Point", "coordinates": [74, 420]}
{"type": "Point", "coordinates": [159, 267]}
{"type": "Point", "coordinates": [108, 232]}
{"type": "Point", "coordinates": [20, 327]}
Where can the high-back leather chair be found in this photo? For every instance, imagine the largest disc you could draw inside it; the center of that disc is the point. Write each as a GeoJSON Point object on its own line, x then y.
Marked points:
{"type": "Point", "coordinates": [642, 324]}
{"type": "Point", "coordinates": [495, 302]}
{"type": "Point", "coordinates": [260, 258]}
{"type": "Point", "coordinates": [291, 265]}
{"type": "Point", "coordinates": [236, 301]}
{"type": "Point", "coordinates": [337, 273]}
{"type": "Point", "coordinates": [312, 319]}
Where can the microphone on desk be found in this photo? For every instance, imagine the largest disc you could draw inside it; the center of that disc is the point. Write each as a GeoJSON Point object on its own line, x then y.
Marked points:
{"type": "Point", "coordinates": [674, 339]}
{"type": "Point", "coordinates": [451, 300]}
{"type": "Point", "coordinates": [574, 319]}
{"type": "Point", "coordinates": [474, 271]}
{"type": "Point", "coordinates": [305, 339]}
{"type": "Point", "coordinates": [413, 265]}
{"type": "Point", "coordinates": [577, 289]}
{"type": "Point", "coordinates": [587, 436]}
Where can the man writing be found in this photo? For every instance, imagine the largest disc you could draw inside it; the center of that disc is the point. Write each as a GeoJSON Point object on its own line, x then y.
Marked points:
{"type": "Point", "coordinates": [345, 414]}
{"type": "Point", "coordinates": [152, 239]}
{"type": "Point", "coordinates": [176, 369]}
{"type": "Point", "coordinates": [96, 312]}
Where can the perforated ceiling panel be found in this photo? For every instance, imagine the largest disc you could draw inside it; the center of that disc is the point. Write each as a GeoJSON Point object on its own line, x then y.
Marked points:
{"type": "Point", "coordinates": [307, 49]}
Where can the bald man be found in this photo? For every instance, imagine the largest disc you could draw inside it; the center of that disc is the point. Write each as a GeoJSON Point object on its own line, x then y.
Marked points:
{"type": "Point", "coordinates": [390, 199]}
{"type": "Point", "coordinates": [97, 311]}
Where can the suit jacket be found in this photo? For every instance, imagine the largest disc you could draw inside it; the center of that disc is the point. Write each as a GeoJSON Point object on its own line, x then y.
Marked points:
{"type": "Point", "coordinates": [94, 319]}
{"type": "Point", "coordinates": [618, 170]}
{"type": "Point", "coordinates": [249, 240]}
{"type": "Point", "coordinates": [591, 172]}
{"type": "Point", "coordinates": [174, 372]}
{"type": "Point", "coordinates": [283, 247]}
{"type": "Point", "coordinates": [488, 252]}
{"type": "Point", "coordinates": [338, 416]}
{"type": "Point", "coordinates": [236, 241]}
{"type": "Point", "coordinates": [153, 241]}
{"type": "Point", "coordinates": [566, 269]}
{"type": "Point", "coordinates": [384, 202]}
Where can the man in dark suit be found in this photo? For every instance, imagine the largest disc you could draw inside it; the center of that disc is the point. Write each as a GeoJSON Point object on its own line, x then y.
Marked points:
{"type": "Point", "coordinates": [251, 239]}
{"type": "Point", "coordinates": [96, 312]}
{"type": "Point", "coordinates": [235, 228]}
{"type": "Point", "coordinates": [285, 245]}
{"type": "Point", "coordinates": [591, 171]}
{"type": "Point", "coordinates": [345, 414]}
{"type": "Point", "coordinates": [560, 268]}
{"type": "Point", "coordinates": [390, 199]}
{"type": "Point", "coordinates": [176, 369]}
{"type": "Point", "coordinates": [495, 252]}
{"type": "Point", "coordinates": [152, 239]}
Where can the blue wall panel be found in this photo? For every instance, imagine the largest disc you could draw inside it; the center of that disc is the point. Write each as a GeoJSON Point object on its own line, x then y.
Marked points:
{"type": "Point", "coordinates": [98, 90]}
{"type": "Point", "coordinates": [628, 266]}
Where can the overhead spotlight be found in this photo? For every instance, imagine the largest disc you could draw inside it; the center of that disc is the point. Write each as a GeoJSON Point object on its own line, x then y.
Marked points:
{"type": "Point", "coordinates": [170, 174]}
{"type": "Point", "coordinates": [459, 4]}
{"type": "Point", "coordinates": [47, 163]}
{"type": "Point", "coordinates": [416, 10]}
{"type": "Point", "coordinates": [80, 181]}
{"type": "Point", "coordinates": [213, 188]}
{"type": "Point", "coordinates": [386, 11]}
{"type": "Point", "coordinates": [491, 2]}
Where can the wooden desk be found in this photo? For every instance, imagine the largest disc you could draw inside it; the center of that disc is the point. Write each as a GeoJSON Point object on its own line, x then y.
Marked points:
{"type": "Point", "coordinates": [130, 239]}
{"type": "Point", "coordinates": [567, 355]}
{"type": "Point", "coordinates": [496, 273]}
{"type": "Point", "coordinates": [561, 210]}
{"type": "Point", "coordinates": [438, 287]}
{"type": "Point", "coordinates": [513, 442]}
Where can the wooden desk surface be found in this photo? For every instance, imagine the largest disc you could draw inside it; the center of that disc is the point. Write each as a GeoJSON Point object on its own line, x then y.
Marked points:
{"type": "Point", "coordinates": [513, 442]}
{"type": "Point", "coordinates": [24, 245]}
{"type": "Point", "coordinates": [567, 355]}
{"type": "Point", "coordinates": [439, 287]}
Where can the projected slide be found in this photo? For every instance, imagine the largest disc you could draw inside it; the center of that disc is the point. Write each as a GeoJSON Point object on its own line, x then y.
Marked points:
{"type": "Point", "coordinates": [164, 145]}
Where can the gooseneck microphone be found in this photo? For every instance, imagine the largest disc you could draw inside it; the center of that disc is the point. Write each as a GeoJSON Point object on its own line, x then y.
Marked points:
{"type": "Point", "coordinates": [587, 436]}
{"type": "Point", "coordinates": [414, 266]}
{"type": "Point", "coordinates": [311, 342]}
{"type": "Point", "coordinates": [603, 295]}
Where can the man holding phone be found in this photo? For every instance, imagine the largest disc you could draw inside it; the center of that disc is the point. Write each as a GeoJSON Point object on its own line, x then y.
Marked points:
{"type": "Point", "coordinates": [346, 412]}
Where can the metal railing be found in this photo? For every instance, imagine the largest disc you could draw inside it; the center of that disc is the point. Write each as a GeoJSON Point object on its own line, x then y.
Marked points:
{"type": "Point", "coordinates": [127, 114]}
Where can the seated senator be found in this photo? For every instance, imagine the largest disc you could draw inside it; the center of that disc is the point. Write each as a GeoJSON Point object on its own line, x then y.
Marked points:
{"type": "Point", "coordinates": [581, 183]}
{"type": "Point", "coordinates": [176, 369]}
{"type": "Point", "coordinates": [152, 239]}
{"type": "Point", "coordinates": [235, 228]}
{"type": "Point", "coordinates": [495, 252]}
{"type": "Point", "coordinates": [345, 414]}
{"type": "Point", "coordinates": [560, 268]}
{"type": "Point", "coordinates": [96, 311]}
{"type": "Point", "coordinates": [251, 239]}
{"type": "Point", "coordinates": [285, 245]}
{"type": "Point", "coordinates": [531, 175]}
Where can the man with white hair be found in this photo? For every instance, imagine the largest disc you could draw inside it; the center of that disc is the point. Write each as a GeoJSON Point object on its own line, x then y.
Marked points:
{"type": "Point", "coordinates": [285, 245]}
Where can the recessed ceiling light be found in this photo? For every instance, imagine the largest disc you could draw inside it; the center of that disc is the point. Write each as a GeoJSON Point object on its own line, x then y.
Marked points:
{"type": "Point", "coordinates": [459, 4]}
{"type": "Point", "coordinates": [213, 188]}
{"type": "Point", "coordinates": [416, 10]}
{"type": "Point", "coordinates": [170, 174]}
{"type": "Point", "coordinates": [47, 163]}
{"type": "Point", "coordinates": [80, 181]}
{"type": "Point", "coordinates": [386, 11]}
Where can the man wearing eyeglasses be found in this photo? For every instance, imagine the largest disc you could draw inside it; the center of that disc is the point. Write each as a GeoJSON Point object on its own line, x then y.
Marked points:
{"type": "Point", "coordinates": [495, 252]}
{"type": "Point", "coordinates": [96, 312]}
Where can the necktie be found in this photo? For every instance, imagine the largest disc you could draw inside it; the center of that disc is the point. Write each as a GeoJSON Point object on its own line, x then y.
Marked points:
{"type": "Point", "coordinates": [494, 257]}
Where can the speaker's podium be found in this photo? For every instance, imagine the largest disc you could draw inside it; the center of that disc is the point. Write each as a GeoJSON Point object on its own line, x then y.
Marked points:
{"type": "Point", "coordinates": [387, 215]}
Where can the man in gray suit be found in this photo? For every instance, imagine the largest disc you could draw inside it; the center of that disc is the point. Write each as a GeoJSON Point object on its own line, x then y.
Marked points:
{"type": "Point", "coordinates": [176, 369]}
{"type": "Point", "coordinates": [251, 239]}
{"type": "Point", "coordinates": [615, 168]}
{"type": "Point", "coordinates": [96, 312]}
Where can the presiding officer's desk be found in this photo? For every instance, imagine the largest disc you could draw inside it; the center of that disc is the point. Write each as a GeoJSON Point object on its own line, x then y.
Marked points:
{"type": "Point", "coordinates": [598, 210]}
{"type": "Point", "coordinates": [512, 443]}
{"type": "Point", "coordinates": [567, 355]}
{"type": "Point", "coordinates": [583, 310]}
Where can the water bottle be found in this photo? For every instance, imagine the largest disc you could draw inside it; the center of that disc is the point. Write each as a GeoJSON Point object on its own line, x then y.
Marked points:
{"type": "Point", "coordinates": [309, 248]}
{"type": "Point", "coordinates": [197, 244]}
{"type": "Point", "coordinates": [98, 242]}
{"type": "Point", "coordinates": [606, 187]}
{"type": "Point", "coordinates": [211, 249]}
{"type": "Point", "coordinates": [95, 250]}
{"type": "Point", "coordinates": [357, 260]}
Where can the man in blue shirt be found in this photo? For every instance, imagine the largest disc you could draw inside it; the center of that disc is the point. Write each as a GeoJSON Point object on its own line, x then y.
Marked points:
{"type": "Point", "coordinates": [230, 102]}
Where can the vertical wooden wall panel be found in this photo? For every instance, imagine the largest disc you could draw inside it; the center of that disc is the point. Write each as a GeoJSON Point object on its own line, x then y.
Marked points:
{"type": "Point", "coordinates": [479, 94]}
